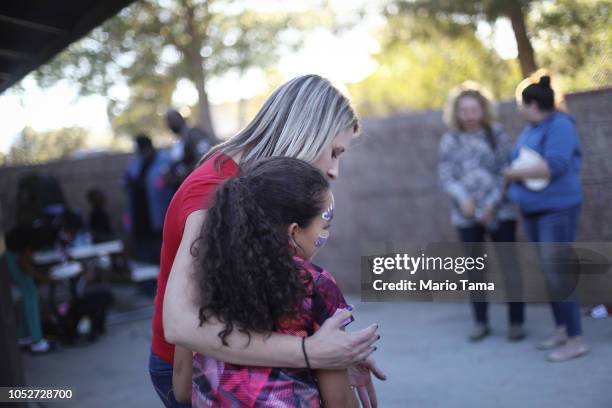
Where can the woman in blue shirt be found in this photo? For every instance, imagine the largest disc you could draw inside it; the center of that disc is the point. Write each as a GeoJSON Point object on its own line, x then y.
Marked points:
{"type": "Point", "coordinates": [551, 211]}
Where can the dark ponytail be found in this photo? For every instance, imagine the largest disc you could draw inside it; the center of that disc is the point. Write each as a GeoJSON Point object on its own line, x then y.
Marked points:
{"type": "Point", "coordinates": [244, 267]}
{"type": "Point", "coordinates": [540, 92]}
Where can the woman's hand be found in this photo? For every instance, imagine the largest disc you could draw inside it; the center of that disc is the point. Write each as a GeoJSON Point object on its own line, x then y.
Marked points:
{"type": "Point", "coordinates": [468, 208]}
{"type": "Point", "coordinates": [509, 175]}
{"type": "Point", "coordinates": [331, 347]}
{"type": "Point", "coordinates": [540, 170]}
{"type": "Point", "coordinates": [360, 377]}
{"type": "Point", "coordinates": [488, 215]}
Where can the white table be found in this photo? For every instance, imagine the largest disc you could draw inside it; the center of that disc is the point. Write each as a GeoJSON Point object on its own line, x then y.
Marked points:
{"type": "Point", "coordinates": [65, 270]}
{"type": "Point", "coordinates": [70, 269]}
{"type": "Point", "coordinates": [80, 252]}
{"type": "Point", "coordinates": [143, 271]}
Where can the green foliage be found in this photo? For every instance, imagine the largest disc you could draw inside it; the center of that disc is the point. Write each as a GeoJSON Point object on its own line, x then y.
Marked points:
{"type": "Point", "coordinates": [460, 12]}
{"type": "Point", "coordinates": [152, 44]}
{"type": "Point", "coordinates": [574, 38]}
{"type": "Point", "coordinates": [33, 147]}
{"type": "Point", "coordinates": [455, 16]}
{"type": "Point", "coordinates": [144, 111]}
{"type": "Point", "coordinates": [429, 46]}
{"type": "Point", "coordinates": [418, 74]}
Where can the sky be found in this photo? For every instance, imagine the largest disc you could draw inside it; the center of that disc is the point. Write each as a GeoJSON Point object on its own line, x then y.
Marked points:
{"type": "Point", "coordinates": [343, 59]}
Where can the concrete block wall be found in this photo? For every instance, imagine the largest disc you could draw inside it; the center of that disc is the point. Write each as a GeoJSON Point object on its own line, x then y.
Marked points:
{"type": "Point", "coordinates": [388, 185]}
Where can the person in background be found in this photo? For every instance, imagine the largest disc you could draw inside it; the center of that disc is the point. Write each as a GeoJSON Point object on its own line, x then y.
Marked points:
{"type": "Point", "coordinates": [72, 229]}
{"type": "Point", "coordinates": [99, 220]}
{"type": "Point", "coordinates": [192, 143]}
{"type": "Point", "coordinates": [148, 199]}
{"type": "Point", "coordinates": [21, 243]}
{"type": "Point", "coordinates": [38, 195]}
{"type": "Point", "coordinates": [551, 214]}
{"type": "Point", "coordinates": [472, 156]}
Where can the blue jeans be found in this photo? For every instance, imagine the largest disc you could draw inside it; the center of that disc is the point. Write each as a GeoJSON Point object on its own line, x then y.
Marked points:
{"type": "Point", "coordinates": [505, 232]}
{"type": "Point", "coordinates": [161, 376]}
{"type": "Point", "coordinates": [556, 226]}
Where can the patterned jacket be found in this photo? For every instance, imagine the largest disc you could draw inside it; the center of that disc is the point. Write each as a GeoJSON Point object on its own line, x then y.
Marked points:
{"type": "Point", "coordinates": [470, 168]}
{"type": "Point", "coordinates": [223, 385]}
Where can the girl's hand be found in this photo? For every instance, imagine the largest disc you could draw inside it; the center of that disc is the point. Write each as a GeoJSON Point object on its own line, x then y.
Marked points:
{"type": "Point", "coordinates": [360, 377]}
{"type": "Point", "coordinates": [181, 374]}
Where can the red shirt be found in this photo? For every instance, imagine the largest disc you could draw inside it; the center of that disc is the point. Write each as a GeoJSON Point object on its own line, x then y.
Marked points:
{"type": "Point", "coordinates": [194, 194]}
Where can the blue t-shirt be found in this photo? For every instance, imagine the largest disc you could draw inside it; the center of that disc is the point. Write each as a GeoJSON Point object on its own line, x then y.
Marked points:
{"type": "Point", "coordinates": [556, 140]}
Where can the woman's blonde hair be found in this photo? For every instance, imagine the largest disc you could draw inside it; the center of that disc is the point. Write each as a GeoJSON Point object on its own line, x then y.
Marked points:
{"type": "Point", "coordinates": [298, 120]}
{"type": "Point", "coordinates": [534, 79]}
{"type": "Point", "coordinates": [473, 90]}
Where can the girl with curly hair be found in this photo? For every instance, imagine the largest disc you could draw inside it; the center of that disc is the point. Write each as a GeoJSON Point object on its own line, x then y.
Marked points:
{"type": "Point", "coordinates": [254, 275]}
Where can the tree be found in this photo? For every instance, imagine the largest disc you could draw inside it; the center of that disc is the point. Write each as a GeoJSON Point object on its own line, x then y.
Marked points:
{"type": "Point", "coordinates": [418, 65]}
{"type": "Point", "coordinates": [144, 111]}
{"type": "Point", "coordinates": [574, 38]}
{"type": "Point", "coordinates": [33, 147]}
{"type": "Point", "coordinates": [453, 14]}
{"type": "Point", "coordinates": [154, 43]}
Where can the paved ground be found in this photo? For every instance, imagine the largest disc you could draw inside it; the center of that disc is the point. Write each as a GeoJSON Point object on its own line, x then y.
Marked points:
{"type": "Point", "coordinates": [422, 349]}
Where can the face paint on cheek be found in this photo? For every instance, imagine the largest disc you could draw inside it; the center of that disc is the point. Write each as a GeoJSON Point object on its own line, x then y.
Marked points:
{"type": "Point", "coordinates": [328, 214]}
{"type": "Point", "coordinates": [321, 239]}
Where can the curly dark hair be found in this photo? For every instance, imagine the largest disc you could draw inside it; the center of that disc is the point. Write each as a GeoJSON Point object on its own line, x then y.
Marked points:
{"type": "Point", "coordinates": [244, 266]}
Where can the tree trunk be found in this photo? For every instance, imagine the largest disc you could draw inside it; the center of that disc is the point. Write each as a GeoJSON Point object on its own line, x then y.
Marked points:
{"type": "Point", "coordinates": [525, 50]}
{"type": "Point", "coordinates": [196, 68]}
{"type": "Point", "coordinates": [204, 116]}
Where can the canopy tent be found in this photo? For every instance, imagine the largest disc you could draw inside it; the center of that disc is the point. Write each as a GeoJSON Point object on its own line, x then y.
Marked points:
{"type": "Point", "coordinates": [34, 31]}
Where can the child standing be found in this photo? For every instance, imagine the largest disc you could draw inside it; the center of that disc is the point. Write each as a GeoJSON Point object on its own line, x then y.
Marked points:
{"type": "Point", "coordinates": [254, 274]}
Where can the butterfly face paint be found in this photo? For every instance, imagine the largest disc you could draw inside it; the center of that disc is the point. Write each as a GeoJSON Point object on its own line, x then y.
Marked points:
{"type": "Point", "coordinates": [327, 215]}
{"type": "Point", "coordinates": [321, 239]}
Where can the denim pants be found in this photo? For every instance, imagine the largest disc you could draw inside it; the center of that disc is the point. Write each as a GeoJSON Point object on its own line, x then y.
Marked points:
{"type": "Point", "coordinates": [557, 227]}
{"type": "Point", "coordinates": [505, 232]}
{"type": "Point", "coordinates": [161, 376]}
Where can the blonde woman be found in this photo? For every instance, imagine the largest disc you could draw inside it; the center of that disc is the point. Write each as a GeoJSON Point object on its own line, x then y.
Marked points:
{"type": "Point", "coordinates": [306, 118]}
{"type": "Point", "coordinates": [472, 155]}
